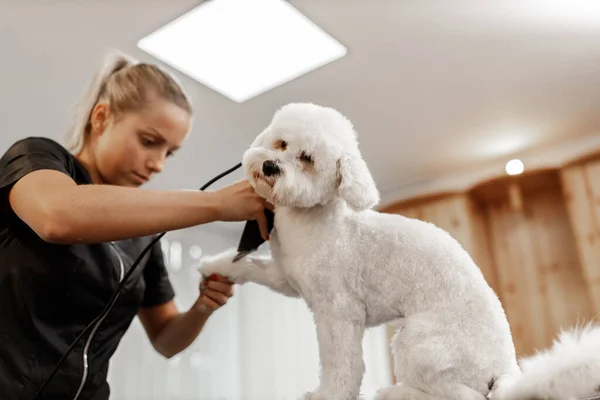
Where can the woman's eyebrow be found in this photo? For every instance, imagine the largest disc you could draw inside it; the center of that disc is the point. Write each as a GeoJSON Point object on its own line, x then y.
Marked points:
{"type": "Point", "coordinates": [160, 137]}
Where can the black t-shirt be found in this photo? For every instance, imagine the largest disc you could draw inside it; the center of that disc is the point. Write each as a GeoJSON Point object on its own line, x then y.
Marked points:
{"type": "Point", "coordinates": [49, 293]}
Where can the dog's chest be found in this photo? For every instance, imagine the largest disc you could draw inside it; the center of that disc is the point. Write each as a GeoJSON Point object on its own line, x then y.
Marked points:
{"type": "Point", "coordinates": [305, 273]}
{"type": "Point", "coordinates": [291, 265]}
{"type": "Point", "coordinates": [297, 263]}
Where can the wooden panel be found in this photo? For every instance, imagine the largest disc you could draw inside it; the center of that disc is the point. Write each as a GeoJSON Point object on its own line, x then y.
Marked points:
{"type": "Point", "coordinates": [592, 172]}
{"type": "Point", "coordinates": [478, 244]}
{"type": "Point", "coordinates": [581, 191]}
{"type": "Point", "coordinates": [559, 265]}
{"type": "Point", "coordinates": [416, 203]}
{"type": "Point", "coordinates": [504, 232]}
{"type": "Point", "coordinates": [539, 277]}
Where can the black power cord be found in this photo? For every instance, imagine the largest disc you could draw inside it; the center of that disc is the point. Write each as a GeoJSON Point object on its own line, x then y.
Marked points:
{"type": "Point", "coordinates": [116, 293]}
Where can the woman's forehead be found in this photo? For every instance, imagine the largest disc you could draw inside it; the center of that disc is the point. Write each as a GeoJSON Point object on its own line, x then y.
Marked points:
{"type": "Point", "coordinates": [168, 120]}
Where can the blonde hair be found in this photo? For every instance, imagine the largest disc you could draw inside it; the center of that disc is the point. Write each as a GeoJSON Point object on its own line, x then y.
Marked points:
{"type": "Point", "coordinates": [125, 85]}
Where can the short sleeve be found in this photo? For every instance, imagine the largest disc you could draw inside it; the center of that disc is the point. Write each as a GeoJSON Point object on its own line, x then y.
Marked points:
{"type": "Point", "coordinates": [159, 289]}
{"type": "Point", "coordinates": [29, 155]}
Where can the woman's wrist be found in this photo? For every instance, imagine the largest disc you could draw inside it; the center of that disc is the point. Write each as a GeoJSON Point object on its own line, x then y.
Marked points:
{"type": "Point", "coordinates": [211, 202]}
{"type": "Point", "coordinates": [201, 310]}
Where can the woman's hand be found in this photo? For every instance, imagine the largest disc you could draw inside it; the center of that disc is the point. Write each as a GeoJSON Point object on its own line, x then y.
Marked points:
{"type": "Point", "coordinates": [171, 331]}
{"type": "Point", "coordinates": [240, 202]}
{"type": "Point", "coordinates": [214, 293]}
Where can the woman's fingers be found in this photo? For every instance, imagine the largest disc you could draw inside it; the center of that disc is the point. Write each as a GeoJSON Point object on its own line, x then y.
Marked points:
{"type": "Point", "coordinates": [217, 297]}
{"type": "Point", "coordinates": [210, 303]}
{"type": "Point", "coordinates": [221, 287]}
{"type": "Point", "coordinates": [263, 225]}
{"type": "Point", "coordinates": [216, 291]}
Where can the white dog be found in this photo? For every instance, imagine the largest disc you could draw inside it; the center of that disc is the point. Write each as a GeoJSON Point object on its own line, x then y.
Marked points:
{"type": "Point", "coordinates": [357, 268]}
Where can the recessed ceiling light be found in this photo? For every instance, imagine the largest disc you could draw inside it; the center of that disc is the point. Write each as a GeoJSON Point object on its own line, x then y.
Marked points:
{"type": "Point", "coordinates": [514, 167]}
{"type": "Point", "coordinates": [243, 48]}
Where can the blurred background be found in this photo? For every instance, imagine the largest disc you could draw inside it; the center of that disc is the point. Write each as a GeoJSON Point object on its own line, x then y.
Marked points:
{"type": "Point", "coordinates": [479, 116]}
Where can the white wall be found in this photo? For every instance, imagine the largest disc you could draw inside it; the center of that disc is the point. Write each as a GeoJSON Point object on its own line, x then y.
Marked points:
{"type": "Point", "coordinates": [261, 345]}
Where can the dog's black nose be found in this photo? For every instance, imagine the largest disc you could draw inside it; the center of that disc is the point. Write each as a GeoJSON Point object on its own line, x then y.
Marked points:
{"type": "Point", "coordinates": [270, 168]}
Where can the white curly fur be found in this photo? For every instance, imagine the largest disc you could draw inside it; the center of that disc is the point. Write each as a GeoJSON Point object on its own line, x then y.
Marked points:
{"type": "Point", "coordinates": [569, 370]}
{"type": "Point", "coordinates": [357, 268]}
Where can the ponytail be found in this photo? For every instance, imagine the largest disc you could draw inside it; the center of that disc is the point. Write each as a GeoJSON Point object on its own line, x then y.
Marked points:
{"type": "Point", "coordinates": [125, 85]}
{"type": "Point", "coordinates": [80, 124]}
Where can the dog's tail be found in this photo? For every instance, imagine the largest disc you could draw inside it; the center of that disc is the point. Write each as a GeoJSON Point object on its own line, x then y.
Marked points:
{"type": "Point", "coordinates": [568, 370]}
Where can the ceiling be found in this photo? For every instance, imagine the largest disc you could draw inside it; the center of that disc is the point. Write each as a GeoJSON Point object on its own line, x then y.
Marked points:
{"type": "Point", "coordinates": [433, 87]}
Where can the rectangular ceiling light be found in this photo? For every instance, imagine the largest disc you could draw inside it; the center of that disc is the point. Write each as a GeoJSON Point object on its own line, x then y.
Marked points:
{"type": "Point", "coordinates": [243, 48]}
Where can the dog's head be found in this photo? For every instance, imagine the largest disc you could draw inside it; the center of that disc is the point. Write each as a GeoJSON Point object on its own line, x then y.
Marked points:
{"type": "Point", "coordinates": [309, 156]}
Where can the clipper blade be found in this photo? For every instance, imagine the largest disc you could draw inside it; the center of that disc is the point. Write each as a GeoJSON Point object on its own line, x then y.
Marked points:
{"type": "Point", "coordinates": [241, 255]}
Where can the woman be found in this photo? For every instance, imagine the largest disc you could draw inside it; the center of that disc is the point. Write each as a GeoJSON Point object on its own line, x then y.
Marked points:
{"type": "Point", "coordinates": [73, 222]}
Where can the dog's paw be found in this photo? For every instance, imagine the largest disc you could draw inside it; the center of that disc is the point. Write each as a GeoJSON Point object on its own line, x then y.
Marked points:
{"type": "Point", "coordinates": [314, 396]}
{"type": "Point", "coordinates": [223, 264]}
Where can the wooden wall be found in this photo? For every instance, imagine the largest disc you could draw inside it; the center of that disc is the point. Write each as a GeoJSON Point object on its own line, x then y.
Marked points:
{"type": "Point", "coordinates": [581, 186]}
{"type": "Point", "coordinates": [536, 238]}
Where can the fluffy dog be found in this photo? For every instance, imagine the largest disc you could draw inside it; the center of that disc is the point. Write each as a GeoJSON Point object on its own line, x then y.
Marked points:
{"type": "Point", "coordinates": [357, 268]}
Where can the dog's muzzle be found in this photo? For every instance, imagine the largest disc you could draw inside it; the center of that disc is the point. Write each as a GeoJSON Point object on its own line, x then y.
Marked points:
{"type": "Point", "coordinates": [270, 168]}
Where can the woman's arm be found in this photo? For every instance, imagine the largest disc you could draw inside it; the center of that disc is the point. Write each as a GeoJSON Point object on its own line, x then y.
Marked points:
{"type": "Point", "coordinates": [60, 211]}
{"type": "Point", "coordinates": [170, 331]}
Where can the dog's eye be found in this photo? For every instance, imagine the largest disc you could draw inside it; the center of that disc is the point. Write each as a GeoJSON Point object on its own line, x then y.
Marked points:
{"type": "Point", "coordinates": [306, 158]}
{"type": "Point", "coordinates": [281, 144]}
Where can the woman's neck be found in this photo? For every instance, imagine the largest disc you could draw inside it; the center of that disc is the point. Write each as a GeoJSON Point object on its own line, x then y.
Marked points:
{"type": "Point", "coordinates": [86, 158]}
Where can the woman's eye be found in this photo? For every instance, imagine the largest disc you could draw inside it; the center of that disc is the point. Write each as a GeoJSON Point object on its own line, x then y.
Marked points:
{"type": "Point", "coordinates": [147, 142]}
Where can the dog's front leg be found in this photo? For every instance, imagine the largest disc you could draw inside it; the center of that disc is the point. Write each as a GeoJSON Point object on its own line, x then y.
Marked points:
{"type": "Point", "coordinates": [340, 329]}
{"type": "Point", "coordinates": [262, 270]}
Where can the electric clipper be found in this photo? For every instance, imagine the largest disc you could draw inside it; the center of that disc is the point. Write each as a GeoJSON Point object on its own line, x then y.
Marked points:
{"type": "Point", "coordinates": [251, 238]}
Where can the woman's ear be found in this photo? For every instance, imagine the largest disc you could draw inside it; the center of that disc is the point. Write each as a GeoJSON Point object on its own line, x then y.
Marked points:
{"type": "Point", "coordinates": [99, 118]}
{"type": "Point", "coordinates": [355, 183]}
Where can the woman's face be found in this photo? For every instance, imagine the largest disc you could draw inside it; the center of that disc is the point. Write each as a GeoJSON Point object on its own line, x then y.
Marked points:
{"type": "Point", "coordinates": [130, 149]}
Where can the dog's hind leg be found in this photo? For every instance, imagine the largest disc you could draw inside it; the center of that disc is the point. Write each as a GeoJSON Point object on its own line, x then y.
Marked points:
{"type": "Point", "coordinates": [340, 323]}
{"type": "Point", "coordinates": [432, 359]}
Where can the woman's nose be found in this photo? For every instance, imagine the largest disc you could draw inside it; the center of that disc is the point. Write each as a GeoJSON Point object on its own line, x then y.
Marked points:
{"type": "Point", "coordinates": [156, 166]}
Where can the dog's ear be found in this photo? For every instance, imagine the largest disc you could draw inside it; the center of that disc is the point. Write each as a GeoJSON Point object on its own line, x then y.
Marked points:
{"type": "Point", "coordinates": [355, 183]}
